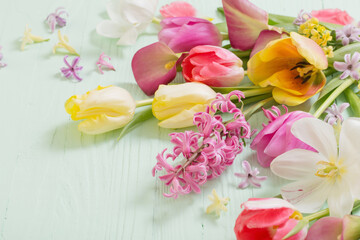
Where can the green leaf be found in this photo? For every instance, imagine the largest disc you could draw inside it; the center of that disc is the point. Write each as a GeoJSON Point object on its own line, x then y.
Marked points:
{"type": "Point", "coordinates": [221, 10]}
{"type": "Point", "coordinates": [332, 84]}
{"type": "Point", "coordinates": [354, 101]}
{"type": "Point", "coordinates": [275, 19]}
{"type": "Point", "coordinates": [138, 118]}
{"type": "Point", "coordinates": [331, 26]}
{"type": "Point", "coordinates": [222, 27]}
{"type": "Point", "coordinates": [289, 27]}
{"type": "Point", "coordinates": [299, 226]}
{"type": "Point", "coordinates": [340, 53]}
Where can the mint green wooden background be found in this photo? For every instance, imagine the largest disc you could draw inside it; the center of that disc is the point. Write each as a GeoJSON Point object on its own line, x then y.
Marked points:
{"type": "Point", "coordinates": [58, 184]}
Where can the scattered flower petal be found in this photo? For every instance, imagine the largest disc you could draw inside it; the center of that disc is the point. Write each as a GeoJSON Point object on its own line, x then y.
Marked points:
{"type": "Point", "coordinates": [250, 176]}
{"type": "Point", "coordinates": [56, 18]}
{"type": "Point", "coordinates": [103, 63]}
{"type": "Point", "coordinates": [218, 203]}
{"type": "Point", "coordinates": [178, 9]}
{"type": "Point", "coordinates": [64, 43]}
{"type": "Point", "coordinates": [302, 17]}
{"type": "Point", "coordinates": [334, 113]}
{"type": "Point", "coordinates": [348, 34]}
{"type": "Point", "coordinates": [29, 38]}
{"type": "Point", "coordinates": [350, 67]}
{"type": "Point", "coordinates": [72, 70]}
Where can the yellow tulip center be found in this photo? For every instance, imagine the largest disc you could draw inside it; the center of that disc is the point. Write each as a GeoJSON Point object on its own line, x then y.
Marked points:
{"type": "Point", "coordinates": [305, 71]}
{"type": "Point", "coordinates": [328, 169]}
{"type": "Point", "coordinates": [170, 65]}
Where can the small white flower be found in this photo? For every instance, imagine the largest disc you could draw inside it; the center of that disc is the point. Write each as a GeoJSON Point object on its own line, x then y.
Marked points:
{"type": "Point", "coordinates": [127, 19]}
{"type": "Point", "coordinates": [330, 174]}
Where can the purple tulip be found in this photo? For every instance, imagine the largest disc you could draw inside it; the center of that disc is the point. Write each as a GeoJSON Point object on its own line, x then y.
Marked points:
{"type": "Point", "coordinates": [181, 34]}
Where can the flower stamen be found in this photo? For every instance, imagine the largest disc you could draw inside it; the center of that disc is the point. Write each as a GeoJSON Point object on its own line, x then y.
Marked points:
{"type": "Point", "coordinates": [329, 169]}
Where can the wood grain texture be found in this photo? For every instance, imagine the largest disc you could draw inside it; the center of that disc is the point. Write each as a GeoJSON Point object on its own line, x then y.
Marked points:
{"type": "Point", "coordinates": [56, 183]}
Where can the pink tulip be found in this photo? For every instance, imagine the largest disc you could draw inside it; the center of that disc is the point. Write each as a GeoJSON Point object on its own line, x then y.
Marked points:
{"type": "Point", "coordinates": [183, 33]}
{"type": "Point", "coordinates": [346, 228]}
{"type": "Point", "coordinates": [276, 137]}
{"type": "Point", "coordinates": [333, 16]}
{"type": "Point", "coordinates": [154, 65]}
{"type": "Point", "coordinates": [213, 66]}
{"type": "Point", "coordinates": [245, 21]}
{"type": "Point", "coordinates": [178, 9]}
{"type": "Point", "coordinates": [267, 218]}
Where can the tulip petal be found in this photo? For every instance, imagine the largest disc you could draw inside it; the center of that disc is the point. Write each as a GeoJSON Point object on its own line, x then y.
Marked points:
{"type": "Point", "coordinates": [170, 100]}
{"type": "Point", "coordinates": [266, 203]}
{"type": "Point", "coordinates": [183, 118]}
{"type": "Point", "coordinates": [310, 50]}
{"type": "Point", "coordinates": [278, 55]}
{"type": "Point", "coordinates": [317, 134]}
{"type": "Point", "coordinates": [149, 66]}
{"type": "Point", "coordinates": [245, 21]}
{"type": "Point", "coordinates": [178, 9]}
{"type": "Point", "coordinates": [351, 227]}
{"type": "Point", "coordinates": [325, 228]}
{"type": "Point", "coordinates": [296, 164]}
{"type": "Point", "coordinates": [264, 38]}
{"type": "Point", "coordinates": [103, 123]}
{"type": "Point", "coordinates": [284, 229]}
{"type": "Point", "coordinates": [128, 37]}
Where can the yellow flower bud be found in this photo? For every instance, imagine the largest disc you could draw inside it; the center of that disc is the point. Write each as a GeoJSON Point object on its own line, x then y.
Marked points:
{"type": "Point", "coordinates": [175, 105]}
{"type": "Point", "coordinates": [104, 109]}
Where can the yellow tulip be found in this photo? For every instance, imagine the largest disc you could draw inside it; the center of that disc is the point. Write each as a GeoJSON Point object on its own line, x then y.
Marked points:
{"type": "Point", "coordinates": [292, 66]}
{"type": "Point", "coordinates": [104, 109]}
{"type": "Point", "coordinates": [175, 105]}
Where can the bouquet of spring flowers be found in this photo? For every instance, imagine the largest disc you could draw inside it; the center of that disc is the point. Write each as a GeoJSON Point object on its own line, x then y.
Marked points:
{"type": "Point", "coordinates": [252, 60]}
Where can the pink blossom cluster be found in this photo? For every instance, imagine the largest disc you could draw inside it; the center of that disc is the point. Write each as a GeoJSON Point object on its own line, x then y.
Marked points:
{"type": "Point", "coordinates": [206, 153]}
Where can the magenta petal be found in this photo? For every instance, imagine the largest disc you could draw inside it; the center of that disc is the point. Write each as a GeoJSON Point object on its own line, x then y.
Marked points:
{"type": "Point", "coordinates": [245, 21]}
{"type": "Point", "coordinates": [264, 38]}
{"type": "Point", "coordinates": [149, 67]}
{"type": "Point", "coordinates": [325, 228]}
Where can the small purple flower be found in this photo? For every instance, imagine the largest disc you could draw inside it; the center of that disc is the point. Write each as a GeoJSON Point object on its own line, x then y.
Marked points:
{"type": "Point", "coordinates": [348, 34]}
{"type": "Point", "coordinates": [1, 57]}
{"type": "Point", "coordinates": [250, 177]}
{"type": "Point", "coordinates": [349, 67]}
{"type": "Point", "coordinates": [302, 17]}
{"type": "Point", "coordinates": [103, 63]}
{"type": "Point", "coordinates": [71, 70]}
{"type": "Point", "coordinates": [55, 18]}
{"type": "Point", "coordinates": [334, 113]}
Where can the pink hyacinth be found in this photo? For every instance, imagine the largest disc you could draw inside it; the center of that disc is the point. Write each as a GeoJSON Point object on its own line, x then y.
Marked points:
{"type": "Point", "coordinates": [72, 70]}
{"type": "Point", "coordinates": [56, 18]}
{"type": "Point", "coordinates": [207, 152]}
{"type": "Point", "coordinates": [1, 57]}
{"type": "Point", "coordinates": [276, 137]}
{"type": "Point", "coordinates": [350, 67]}
{"type": "Point", "coordinates": [103, 63]}
{"type": "Point", "coordinates": [178, 33]}
{"type": "Point", "coordinates": [178, 9]}
{"type": "Point", "coordinates": [250, 176]}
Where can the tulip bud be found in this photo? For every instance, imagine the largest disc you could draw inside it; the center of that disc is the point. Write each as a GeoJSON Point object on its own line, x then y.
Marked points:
{"type": "Point", "coordinates": [175, 105]}
{"type": "Point", "coordinates": [213, 66]}
{"type": "Point", "coordinates": [104, 109]}
{"type": "Point", "coordinates": [183, 33]}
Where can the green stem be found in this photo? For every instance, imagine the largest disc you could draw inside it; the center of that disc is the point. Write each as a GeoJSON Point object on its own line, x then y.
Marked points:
{"type": "Point", "coordinates": [256, 92]}
{"type": "Point", "coordinates": [145, 102]}
{"type": "Point", "coordinates": [251, 110]}
{"type": "Point", "coordinates": [224, 36]}
{"type": "Point", "coordinates": [241, 54]}
{"type": "Point", "coordinates": [325, 212]}
{"type": "Point", "coordinates": [332, 96]}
